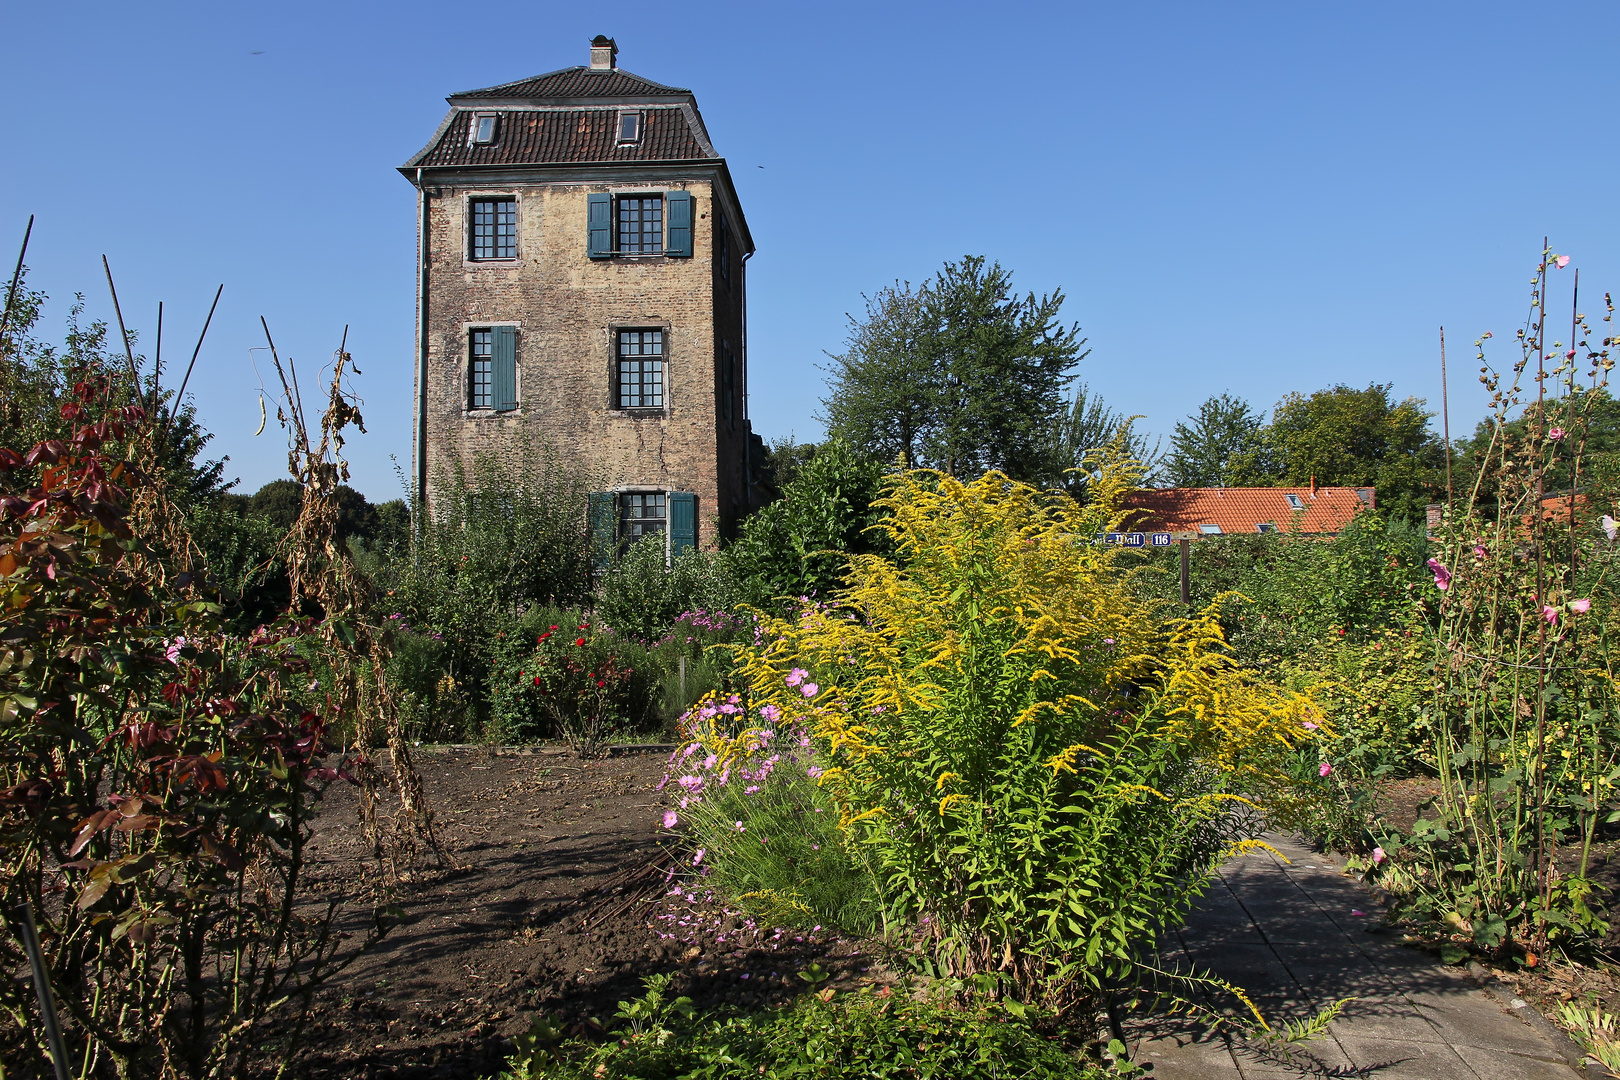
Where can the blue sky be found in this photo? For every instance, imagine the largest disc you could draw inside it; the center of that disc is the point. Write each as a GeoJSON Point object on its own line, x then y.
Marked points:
{"type": "Point", "coordinates": [1256, 197]}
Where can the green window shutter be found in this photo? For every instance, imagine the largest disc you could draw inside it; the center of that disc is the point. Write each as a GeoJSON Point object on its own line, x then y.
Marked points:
{"type": "Point", "coordinates": [678, 205]}
{"type": "Point", "coordinates": [503, 369]}
{"type": "Point", "coordinates": [604, 519]}
{"type": "Point", "coordinates": [682, 522]}
{"type": "Point", "coordinates": [599, 223]}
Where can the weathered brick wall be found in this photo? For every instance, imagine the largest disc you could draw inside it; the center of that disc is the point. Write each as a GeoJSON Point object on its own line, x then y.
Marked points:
{"type": "Point", "coordinates": [567, 306]}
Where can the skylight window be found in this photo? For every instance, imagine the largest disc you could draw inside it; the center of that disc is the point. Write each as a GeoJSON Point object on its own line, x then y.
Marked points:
{"type": "Point", "coordinates": [1294, 501]}
{"type": "Point", "coordinates": [1210, 530]}
{"type": "Point", "coordinates": [1266, 527]}
{"type": "Point", "coordinates": [483, 132]}
{"type": "Point", "coordinates": [629, 127]}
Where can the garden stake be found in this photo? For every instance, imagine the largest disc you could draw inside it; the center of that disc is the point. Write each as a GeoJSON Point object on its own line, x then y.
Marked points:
{"type": "Point", "coordinates": [1186, 579]}
{"type": "Point", "coordinates": [42, 987]}
{"type": "Point", "coordinates": [1445, 416]}
{"type": "Point", "coordinates": [134, 372]}
{"type": "Point", "coordinates": [1538, 537]}
{"type": "Point", "coordinates": [16, 276]}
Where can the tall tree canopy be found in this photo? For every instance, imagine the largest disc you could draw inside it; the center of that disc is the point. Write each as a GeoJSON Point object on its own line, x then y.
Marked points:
{"type": "Point", "coordinates": [1219, 444]}
{"type": "Point", "coordinates": [1344, 437]}
{"type": "Point", "coordinates": [959, 374]}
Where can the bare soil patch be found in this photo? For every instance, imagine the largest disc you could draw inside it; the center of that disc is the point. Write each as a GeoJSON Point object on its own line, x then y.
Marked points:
{"type": "Point", "coordinates": [564, 899]}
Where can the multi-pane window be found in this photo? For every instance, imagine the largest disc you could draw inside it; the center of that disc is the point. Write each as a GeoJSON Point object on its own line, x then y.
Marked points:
{"type": "Point", "coordinates": [641, 225]}
{"type": "Point", "coordinates": [494, 229]}
{"type": "Point", "coordinates": [640, 513]}
{"type": "Point", "coordinates": [480, 371]}
{"type": "Point", "coordinates": [641, 369]}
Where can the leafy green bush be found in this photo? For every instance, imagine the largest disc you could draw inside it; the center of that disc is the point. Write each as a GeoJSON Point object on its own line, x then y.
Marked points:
{"type": "Point", "coordinates": [576, 682]}
{"type": "Point", "coordinates": [497, 539]}
{"type": "Point", "coordinates": [870, 1034]}
{"type": "Point", "coordinates": [760, 827]}
{"type": "Point", "coordinates": [1041, 764]}
{"type": "Point", "coordinates": [641, 597]}
{"type": "Point", "coordinates": [800, 545]}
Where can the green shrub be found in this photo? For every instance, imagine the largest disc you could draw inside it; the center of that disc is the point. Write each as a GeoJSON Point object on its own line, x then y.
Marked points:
{"type": "Point", "coordinates": [857, 1036]}
{"type": "Point", "coordinates": [497, 539]}
{"type": "Point", "coordinates": [641, 597]}
{"type": "Point", "coordinates": [575, 682]}
{"type": "Point", "coordinates": [800, 545]}
{"type": "Point", "coordinates": [1042, 764]}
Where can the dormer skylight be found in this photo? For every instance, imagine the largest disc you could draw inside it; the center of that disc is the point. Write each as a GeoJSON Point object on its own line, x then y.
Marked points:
{"type": "Point", "coordinates": [483, 129]}
{"type": "Point", "coordinates": [629, 127]}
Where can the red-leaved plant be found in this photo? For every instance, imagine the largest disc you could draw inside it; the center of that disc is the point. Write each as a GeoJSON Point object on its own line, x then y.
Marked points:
{"type": "Point", "coordinates": [158, 778]}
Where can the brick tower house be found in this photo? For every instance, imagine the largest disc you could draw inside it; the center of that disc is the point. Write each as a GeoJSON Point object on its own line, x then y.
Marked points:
{"type": "Point", "coordinates": [581, 280]}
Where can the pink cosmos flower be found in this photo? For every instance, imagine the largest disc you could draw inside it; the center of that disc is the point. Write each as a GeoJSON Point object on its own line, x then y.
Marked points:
{"type": "Point", "coordinates": [1378, 855]}
{"type": "Point", "coordinates": [1479, 551]}
{"type": "Point", "coordinates": [770, 713]}
{"type": "Point", "coordinates": [1556, 434]}
{"type": "Point", "coordinates": [810, 689]}
{"type": "Point", "coordinates": [1549, 613]}
{"type": "Point", "coordinates": [741, 827]}
{"type": "Point", "coordinates": [698, 857]}
{"type": "Point", "coordinates": [813, 772]}
{"type": "Point", "coordinates": [1308, 726]}
{"type": "Point", "coordinates": [670, 819]}
{"type": "Point", "coordinates": [796, 676]}
{"type": "Point", "coordinates": [1442, 576]}
{"type": "Point", "coordinates": [708, 762]}
{"type": "Point", "coordinates": [1580, 607]}
{"type": "Point", "coordinates": [750, 789]}
{"type": "Point", "coordinates": [1324, 770]}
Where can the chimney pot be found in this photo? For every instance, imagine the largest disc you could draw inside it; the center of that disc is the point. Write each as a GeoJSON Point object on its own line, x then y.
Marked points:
{"type": "Point", "coordinates": [604, 53]}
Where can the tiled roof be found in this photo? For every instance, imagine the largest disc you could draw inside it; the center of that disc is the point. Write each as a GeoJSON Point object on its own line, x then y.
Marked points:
{"type": "Point", "coordinates": [546, 136]}
{"type": "Point", "coordinates": [1243, 510]}
{"type": "Point", "coordinates": [579, 82]}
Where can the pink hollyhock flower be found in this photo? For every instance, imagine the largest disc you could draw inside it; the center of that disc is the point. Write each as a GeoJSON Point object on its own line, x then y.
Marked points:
{"type": "Point", "coordinates": [1442, 576]}
{"type": "Point", "coordinates": [1580, 607]}
{"type": "Point", "coordinates": [1324, 770]}
{"type": "Point", "coordinates": [1549, 613]}
{"type": "Point", "coordinates": [810, 689]}
{"type": "Point", "coordinates": [1560, 261]}
{"type": "Point", "coordinates": [1488, 334]}
{"type": "Point", "coordinates": [1556, 434]}
{"type": "Point", "coordinates": [1378, 855]}
{"type": "Point", "coordinates": [1610, 526]}
{"type": "Point", "coordinates": [698, 857]}
{"type": "Point", "coordinates": [172, 653]}
{"type": "Point", "coordinates": [670, 819]}
{"type": "Point", "coordinates": [796, 676]}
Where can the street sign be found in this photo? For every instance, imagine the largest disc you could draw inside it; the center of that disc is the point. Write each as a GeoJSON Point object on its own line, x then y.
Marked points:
{"type": "Point", "coordinates": [1159, 539]}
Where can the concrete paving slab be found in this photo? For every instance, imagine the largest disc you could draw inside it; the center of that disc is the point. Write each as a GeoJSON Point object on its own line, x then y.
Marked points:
{"type": "Point", "coordinates": [1286, 935]}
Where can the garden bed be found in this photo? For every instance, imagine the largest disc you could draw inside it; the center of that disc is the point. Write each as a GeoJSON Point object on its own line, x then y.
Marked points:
{"type": "Point", "coordinates": [561, 905]}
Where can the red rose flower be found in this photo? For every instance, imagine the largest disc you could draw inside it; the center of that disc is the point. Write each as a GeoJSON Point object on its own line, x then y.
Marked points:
{"type": "Point", "coordinates": [579, 641]}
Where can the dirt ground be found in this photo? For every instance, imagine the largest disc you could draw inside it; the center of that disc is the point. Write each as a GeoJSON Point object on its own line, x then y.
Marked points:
{"type": "Point", "coordinates": [566, 895]}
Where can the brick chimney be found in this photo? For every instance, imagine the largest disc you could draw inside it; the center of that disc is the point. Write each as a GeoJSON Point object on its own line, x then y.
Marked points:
{"type": "Point", "coordinates": [604, 53]}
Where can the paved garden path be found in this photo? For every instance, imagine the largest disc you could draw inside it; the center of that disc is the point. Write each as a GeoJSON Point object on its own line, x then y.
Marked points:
{"type": "Point", "coordinates": [1298, 937]}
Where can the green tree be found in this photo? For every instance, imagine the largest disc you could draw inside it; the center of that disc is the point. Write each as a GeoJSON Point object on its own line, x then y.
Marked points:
{"type": "Point", "coordinates": [1344, 437]}
{"type": "Point", "coordinates": [1086, 425]}
{"type": "Point", "coordinates": [1220, 442]}
{"type": "Point", "coordinates": [960, 375]}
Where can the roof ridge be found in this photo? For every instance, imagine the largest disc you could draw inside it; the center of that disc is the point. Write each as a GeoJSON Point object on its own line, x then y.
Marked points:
{"type": "Point", "coordinates": [579, 69]}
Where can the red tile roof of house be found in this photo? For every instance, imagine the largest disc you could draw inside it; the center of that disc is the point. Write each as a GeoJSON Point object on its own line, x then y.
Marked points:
{"type": "Point", "coordinates": [1244, 510]}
